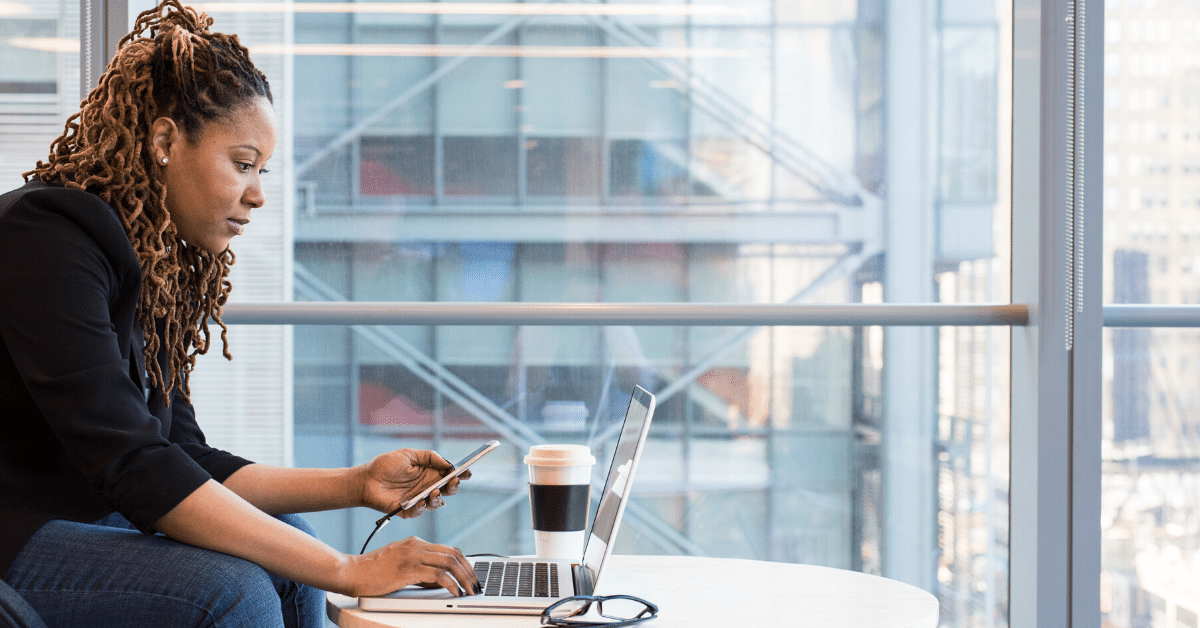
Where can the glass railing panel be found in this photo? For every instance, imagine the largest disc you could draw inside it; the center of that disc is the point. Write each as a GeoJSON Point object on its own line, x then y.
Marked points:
{"type": "Point", "coordinates": [645, 152]}
{"type": "Point", "coordinates": [773, 451]}
{"type": "Point", "coordinates": [1152, 258]}
{"type": "Point", "coordinates": [1150, 452]}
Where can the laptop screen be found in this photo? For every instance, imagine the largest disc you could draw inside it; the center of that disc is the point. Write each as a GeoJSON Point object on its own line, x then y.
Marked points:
{"type": "Point", "coordinates": [614, 496]}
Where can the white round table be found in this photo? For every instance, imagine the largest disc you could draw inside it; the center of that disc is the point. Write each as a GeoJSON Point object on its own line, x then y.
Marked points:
{"type": "Point", "coordinates": [692, 591]}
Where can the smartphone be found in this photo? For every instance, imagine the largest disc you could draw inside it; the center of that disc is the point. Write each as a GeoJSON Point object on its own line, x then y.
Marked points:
{"type": "Point", "coordinates": [461, 466]}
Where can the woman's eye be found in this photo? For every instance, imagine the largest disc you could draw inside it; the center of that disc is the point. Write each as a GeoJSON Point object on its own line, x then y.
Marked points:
{"type": "Point", "coordinates": [244, 167]}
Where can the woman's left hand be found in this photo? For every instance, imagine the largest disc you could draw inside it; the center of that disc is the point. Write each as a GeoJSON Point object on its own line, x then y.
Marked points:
{"type": "Point", "coordinates": [393, 477]}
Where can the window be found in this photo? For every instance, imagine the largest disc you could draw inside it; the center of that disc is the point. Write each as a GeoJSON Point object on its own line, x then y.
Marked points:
{"type": "Point", "coordinates": [727, 153]}
{"type": "Point", "coordinates": [37, 42]}
{"type": "Point", "coordinates": [29, 47]}
{"type": "Point", "coordinates": [1148, 518]}
{"type": "Point", "coordinates": [707, 153]}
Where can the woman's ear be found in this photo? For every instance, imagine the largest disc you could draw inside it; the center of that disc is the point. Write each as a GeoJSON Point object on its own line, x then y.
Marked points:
{"type": "Point", "coordinates": [164, 135]}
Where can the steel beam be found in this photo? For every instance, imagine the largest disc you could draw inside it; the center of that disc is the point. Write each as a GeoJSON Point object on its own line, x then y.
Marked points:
{"type": "Point", "coordinates": [909, 551]}
{"type": "Point", "coordinates": [612, 314]}
{"type": "Point", "coordinates": [1055, 538]}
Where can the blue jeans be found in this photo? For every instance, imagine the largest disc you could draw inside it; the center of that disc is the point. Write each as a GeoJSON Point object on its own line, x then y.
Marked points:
{"type": "Point", "coordinates": [109, 574]}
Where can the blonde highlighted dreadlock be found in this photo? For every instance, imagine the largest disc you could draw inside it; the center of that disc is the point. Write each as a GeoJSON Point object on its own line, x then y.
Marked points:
{"type": "Point", "coordinates": [170, 65]}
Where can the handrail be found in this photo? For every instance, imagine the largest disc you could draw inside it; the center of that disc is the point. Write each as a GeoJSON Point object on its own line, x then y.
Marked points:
{"type": "Point", "coordinates": [1152, 316]}
{"type": "Point", "coordinates": [682, 314]}
{"type": "Point", "coordinates": [649, 314]}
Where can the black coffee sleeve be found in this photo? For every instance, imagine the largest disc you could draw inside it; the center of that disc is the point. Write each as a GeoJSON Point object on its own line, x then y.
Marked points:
{"type": "Point", "coordinates": [559, 507]}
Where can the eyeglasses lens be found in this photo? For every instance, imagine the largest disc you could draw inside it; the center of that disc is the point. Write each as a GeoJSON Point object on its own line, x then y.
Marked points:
{"type": "Point", "coordinates": [599, 611]}
{"type": "Point", "coordinates": [621, 609]}
{"type": "Point", "coordinates": [570, 608]}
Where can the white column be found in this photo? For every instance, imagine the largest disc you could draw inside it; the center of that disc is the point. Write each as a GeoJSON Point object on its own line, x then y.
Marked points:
{"type": "Point", "coordinates": [1054, 568]}
{"type": "Point", "coordinates": [909, 477]}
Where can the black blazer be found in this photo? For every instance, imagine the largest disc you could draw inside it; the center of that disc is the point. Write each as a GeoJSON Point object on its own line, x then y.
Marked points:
{"type": "Point", "coordinates": [80, 434]}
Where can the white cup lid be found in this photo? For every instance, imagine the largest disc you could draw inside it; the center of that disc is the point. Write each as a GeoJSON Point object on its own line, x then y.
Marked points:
{"type": "Point", "coordinates": [560, 456]}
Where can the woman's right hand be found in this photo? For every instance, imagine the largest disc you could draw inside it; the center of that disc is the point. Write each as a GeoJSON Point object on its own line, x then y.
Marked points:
{"type": "Point", "coordinates": [411, 561]}
{"type": "Point", "coordinates": [390, 478]}
{"type": "Point", "coordinates": [216, 518]}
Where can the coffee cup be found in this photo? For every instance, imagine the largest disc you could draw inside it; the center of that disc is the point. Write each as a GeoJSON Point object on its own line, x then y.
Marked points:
{"type": "Point", "coordinates": [560, 483]}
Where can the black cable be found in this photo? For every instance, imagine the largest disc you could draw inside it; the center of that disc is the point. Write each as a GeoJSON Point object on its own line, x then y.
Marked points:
{"type": "Point", "coordinates": [382, 521]}
{"type": "Point", "coordinates": [378, 524]}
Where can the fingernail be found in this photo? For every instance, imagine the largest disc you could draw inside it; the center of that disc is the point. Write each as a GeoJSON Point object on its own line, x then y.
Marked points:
{"type": "Point", "coordinates": [478, 588]}
{"type": "Point", "coordinates": [461, 592]}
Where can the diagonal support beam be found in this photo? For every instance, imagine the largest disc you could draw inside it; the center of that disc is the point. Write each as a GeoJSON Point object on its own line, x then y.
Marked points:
{"type": "Point", "coordinates": [354, 132]}
{"type": "Point", "coordinates": [487, 412]}
{"type": "Point", "coordinates": [492, 514]}
{"type": "Point", "coordinates": [429, 370]}
{"type": "Point", "coordinates": [846, 265]}
{"type": "Point", "coordinates": [784, 151]}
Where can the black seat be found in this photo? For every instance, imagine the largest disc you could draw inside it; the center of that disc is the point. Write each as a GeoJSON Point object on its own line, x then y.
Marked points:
{"type": "Point", "coordinates": [15, 612]}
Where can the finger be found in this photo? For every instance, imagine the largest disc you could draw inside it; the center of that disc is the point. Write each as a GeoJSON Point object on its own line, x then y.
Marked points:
{"type": "Point", "coordinates": [461, 568]}
{"type": "Point", "coordinates": [451, 584]}
{"type": "Point", "coordinates": [444, 565]}
{"type": "Point", "coordinates": [452, 560]}
{"type": "Point", "coordinates": [427, 458]}
{"type": "Point", "coordinates": [437, 568]}
{"type": "Point", "coordinates": [415, 511]}
{"type": "Point", "coordinates": [452, 486]}
{"type": "Point", "coordinates": [468, 568]}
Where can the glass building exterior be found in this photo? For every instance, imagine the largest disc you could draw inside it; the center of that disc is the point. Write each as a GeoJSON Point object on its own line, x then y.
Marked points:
{"type": "Point", "coordinates": [761, 152]}
{"type": "Point", "coordinates": [1151, 196]}
{"type": "Point", "coordinates": [657, 153]}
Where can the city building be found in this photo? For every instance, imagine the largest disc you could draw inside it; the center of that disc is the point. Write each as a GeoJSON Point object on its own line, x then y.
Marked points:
{"type": "Point", "coordinates": [758, 153]}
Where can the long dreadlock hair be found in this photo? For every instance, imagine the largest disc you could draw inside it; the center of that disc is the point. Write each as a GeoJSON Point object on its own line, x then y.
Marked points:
{"type": "Point", "coordinates": [170, 65]}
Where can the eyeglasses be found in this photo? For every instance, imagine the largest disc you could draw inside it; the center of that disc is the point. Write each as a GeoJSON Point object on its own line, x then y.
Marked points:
{"type": "Point", "coordinates": [623, 610]}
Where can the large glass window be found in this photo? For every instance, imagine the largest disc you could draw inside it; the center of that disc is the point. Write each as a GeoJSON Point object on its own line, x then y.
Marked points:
{"type": "Point", "coordinates": [730, 152]}
{"type": "Point", "coordinates": [717, 152]}
{"type": "Point", "coordinates": [1151, 256]}
{"type": "Point", "coordinates": [39, 80]}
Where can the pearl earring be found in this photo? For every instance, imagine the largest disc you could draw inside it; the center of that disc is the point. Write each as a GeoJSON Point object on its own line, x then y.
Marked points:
{"type": "Point", "coordinates": [164, 161]}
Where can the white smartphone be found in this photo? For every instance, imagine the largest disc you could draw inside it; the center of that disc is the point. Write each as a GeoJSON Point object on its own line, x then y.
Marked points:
{"type": "Point", "coordinates": [461, 466]}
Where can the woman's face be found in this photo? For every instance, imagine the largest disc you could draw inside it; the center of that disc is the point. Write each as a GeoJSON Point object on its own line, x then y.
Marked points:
{"type": "Point", "coordinates": [214, 180]}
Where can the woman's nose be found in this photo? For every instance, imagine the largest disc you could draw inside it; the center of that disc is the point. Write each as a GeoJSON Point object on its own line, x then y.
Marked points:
{"type": "Point", "coordinates": [254, 197]}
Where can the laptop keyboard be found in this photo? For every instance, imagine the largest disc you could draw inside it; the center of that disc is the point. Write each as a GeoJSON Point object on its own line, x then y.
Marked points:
{"type": "Point", "coordinates": [517, 579]}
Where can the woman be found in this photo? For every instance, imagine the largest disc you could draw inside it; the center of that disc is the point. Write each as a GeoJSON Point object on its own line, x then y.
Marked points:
{"type": "Point", "coordinates": [113, 257]}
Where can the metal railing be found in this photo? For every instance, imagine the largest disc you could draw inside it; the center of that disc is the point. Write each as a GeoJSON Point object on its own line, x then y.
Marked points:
{"type": "Point", "coordinates": [681, 314]}
{"type": "Point", "coordinates": [664, 314]}
{"type": "Point", "coordinates": [1152, 316]}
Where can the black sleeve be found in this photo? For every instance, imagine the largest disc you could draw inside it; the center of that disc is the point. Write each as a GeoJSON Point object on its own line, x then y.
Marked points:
{"type": "Point", "coordinates": [186, 432]}
{"type": "Point", "coordinates": [64, 263]}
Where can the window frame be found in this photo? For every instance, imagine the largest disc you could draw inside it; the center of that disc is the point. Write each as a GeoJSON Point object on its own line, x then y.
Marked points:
{"type": "Point", "coordinates": [1055, 316]}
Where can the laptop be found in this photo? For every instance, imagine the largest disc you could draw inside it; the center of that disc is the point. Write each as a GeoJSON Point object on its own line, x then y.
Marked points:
{"type": "Point", "coordinates": [525, 586]}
